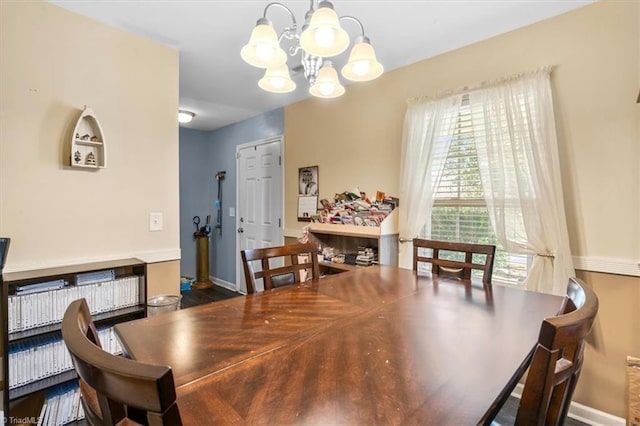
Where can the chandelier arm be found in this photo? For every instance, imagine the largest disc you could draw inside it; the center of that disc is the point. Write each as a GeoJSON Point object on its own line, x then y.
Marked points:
{"type": "Point", "coordinates": [289, 33]}
{"type": "Point", "coordinates": [275, 3]}
{"type": "Point", "coordinates": [354, 19]}
{"type": "Point", "coordinates": [293, 50]}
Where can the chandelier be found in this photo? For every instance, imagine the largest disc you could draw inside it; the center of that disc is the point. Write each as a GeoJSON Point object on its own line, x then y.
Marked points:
{"type": "Point", "coordinates": [321, 37]}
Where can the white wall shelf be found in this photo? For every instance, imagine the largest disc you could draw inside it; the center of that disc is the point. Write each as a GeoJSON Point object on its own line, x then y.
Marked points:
{"type": "Point", "coordinates": [88, 148]}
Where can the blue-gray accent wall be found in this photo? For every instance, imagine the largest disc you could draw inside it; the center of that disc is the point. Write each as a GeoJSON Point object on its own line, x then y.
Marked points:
{"type": "Point", "coordinates": [196, 195]}
{"type": "Point", "coordinates": [209, 153]}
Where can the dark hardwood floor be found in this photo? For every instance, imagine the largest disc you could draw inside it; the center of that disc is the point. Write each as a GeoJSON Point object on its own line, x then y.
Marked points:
{"type": "Point", "coordinates": [507, 416]}
{"type": "Point", "coordinates": [196, 297]}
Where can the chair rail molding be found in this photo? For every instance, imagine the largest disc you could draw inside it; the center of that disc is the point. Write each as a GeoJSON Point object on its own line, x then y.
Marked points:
{"type": "Point", "coordinates": [604, 265]}
{"type": "Point", "coordinates": [607, 265]}
{"type": "Point", "coordinates": [293, 233]}
{"type": "Point", "coordinates": [147, 256]}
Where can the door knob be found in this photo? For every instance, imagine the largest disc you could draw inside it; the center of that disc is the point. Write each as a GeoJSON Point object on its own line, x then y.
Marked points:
{"type": "Point", "coordinates": [240, 230]}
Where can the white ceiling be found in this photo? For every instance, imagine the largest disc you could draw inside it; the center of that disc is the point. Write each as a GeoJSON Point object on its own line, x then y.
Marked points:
{"type": "Point", "coordinates": [221, 89]}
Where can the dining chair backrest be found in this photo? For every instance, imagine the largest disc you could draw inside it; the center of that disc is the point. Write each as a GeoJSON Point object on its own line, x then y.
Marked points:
{"type": "Point", "coordinates": [282, 275]}
{"type": "Point", "coordinates": [575, 297]}
{"type": "Point", "coordinates": [125, 389]}
{"type": "Point", "coordinates": [557, 359]}
{"type": "Point", "coordinates": [459, 268]}
{"type": "Point", "coordinates": [89, 398]}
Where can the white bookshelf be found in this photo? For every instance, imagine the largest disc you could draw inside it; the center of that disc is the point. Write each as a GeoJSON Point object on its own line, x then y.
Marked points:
{"type": "Point", "coordinates": [347, 238]}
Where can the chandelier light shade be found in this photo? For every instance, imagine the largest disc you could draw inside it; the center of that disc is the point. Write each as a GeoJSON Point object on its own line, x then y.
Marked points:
{"type": "Point", "coordinates": [277, 80]}
{"type": "Point", "coordinates": [327, 84]}
{"type": "Point", "coordinates": [322, 37]}
{"type": "Point", "coordinates": [362, 65]}
{"type": "Point", "coordinates": [185, 116]}
{"type": "Point", "coordinates": [263, 49]}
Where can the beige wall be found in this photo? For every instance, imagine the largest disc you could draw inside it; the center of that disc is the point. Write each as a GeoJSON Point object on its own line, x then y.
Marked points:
{"type": "Point", "coordinates": [161, 276]}
{"type": "Point", "coordinates": [355, 140]}
{"type": "Point", "coordinates": [53, 63]}
{"type": "Point", "coordinates": [615, 335]}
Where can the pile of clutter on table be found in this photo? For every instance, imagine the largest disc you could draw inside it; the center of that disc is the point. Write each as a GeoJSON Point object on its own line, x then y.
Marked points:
{"type": "Point", "coordinates": [355, 208]}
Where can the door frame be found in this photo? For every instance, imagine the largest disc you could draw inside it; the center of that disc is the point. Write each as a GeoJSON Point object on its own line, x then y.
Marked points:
{"type": "Point", "coordinates": [279, 138]}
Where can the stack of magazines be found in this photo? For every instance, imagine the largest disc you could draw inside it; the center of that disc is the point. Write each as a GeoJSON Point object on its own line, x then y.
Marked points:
{"type": "Point", "coordinates": [95, 277]}
{"type": "Point", "coordinates": [39, 287]}
{"type": "Point", "coordinates": [366, 256]}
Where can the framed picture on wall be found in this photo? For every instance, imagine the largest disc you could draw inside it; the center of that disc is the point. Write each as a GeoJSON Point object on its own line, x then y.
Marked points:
{"type": "Point", "coordinates": [308, 181]}
{"type": "Point", "coordinates": [307, 192]}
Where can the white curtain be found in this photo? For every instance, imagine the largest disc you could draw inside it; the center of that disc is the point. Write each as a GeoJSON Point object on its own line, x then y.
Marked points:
{"type": "Point", "coordinates": [425, 143]}
{"type": "Point", "coordinates": [515, 135]}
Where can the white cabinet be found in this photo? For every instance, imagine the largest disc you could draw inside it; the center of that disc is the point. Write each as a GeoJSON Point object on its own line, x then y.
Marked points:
{"type": "Point", "coordinates": [88, 143]}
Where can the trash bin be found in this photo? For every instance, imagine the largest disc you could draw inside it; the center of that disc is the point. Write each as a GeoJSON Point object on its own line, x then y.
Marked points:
{"type": "Point", "coordinates": [163, 303]}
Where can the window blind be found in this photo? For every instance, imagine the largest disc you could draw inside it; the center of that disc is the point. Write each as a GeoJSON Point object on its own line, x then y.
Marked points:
{"type": "Point", "coordinates": [459, 211]}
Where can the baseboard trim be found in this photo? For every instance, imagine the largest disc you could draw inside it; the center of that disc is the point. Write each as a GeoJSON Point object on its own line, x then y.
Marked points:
{"type": "Point", "coordinates": [223, 283]}
{"type": "Point", "coordinates": [583, 413]}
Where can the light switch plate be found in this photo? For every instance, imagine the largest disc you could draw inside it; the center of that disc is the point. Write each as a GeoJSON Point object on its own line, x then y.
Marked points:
{"type": "Point", "coordinates": [232, 211]}
{"type": "Point", "coordinates": [155, 221]}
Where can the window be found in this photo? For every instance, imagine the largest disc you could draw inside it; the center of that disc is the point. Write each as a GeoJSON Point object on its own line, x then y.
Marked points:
{"type": "Point", "coordinates": [496, 142]}
{"type": "Point", "coordinates": [460, 211]}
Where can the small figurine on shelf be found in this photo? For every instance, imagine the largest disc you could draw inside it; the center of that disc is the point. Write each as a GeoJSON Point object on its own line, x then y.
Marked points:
{"type": "Point", "coordinates": [94, 139]}
{"type": "Point", "coordinates": [77, 157]}
{"type": "Point", "coordinates": [85, 137]}
{"type": "Point", "coordinates": [77, 135]}
{"type": "Point", "coordinates": [91, 159]}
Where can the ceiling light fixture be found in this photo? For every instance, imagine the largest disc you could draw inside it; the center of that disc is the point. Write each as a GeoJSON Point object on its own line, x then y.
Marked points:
{"type": "Point", "coordinates": [185, 116]}
{"type": "Point", "coordinates": [321, 37]}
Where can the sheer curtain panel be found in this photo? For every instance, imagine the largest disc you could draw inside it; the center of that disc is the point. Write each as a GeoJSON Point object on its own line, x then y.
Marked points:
{"type": "Point", "coordinates": [428, 126]}
{"type": "Point", "coordinates": [514, 129]}
{"type": "Point", "coordinates": [509, 127]}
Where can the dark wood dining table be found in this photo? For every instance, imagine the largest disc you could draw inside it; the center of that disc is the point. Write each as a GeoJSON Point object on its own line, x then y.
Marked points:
{"type": "Point", "coordinates": [378, 345]}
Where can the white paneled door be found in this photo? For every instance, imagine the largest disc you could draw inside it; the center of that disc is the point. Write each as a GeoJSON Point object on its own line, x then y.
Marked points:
{"type": "Point", "coordinates": [259, 218]}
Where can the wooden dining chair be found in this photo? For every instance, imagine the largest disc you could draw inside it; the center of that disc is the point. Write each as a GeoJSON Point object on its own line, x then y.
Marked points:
{"type": "Point", "coordinates": [557, 360]}
{"type": "Point", "coordinates": [116, 389]}
{"type": "Point", "coordinates": [458, 268]}
{"type": "Point", "coordinates": [278, 276]}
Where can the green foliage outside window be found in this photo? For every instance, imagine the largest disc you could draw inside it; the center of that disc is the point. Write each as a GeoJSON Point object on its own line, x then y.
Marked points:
{"type": "Point", "coordinates": [460, 213]}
